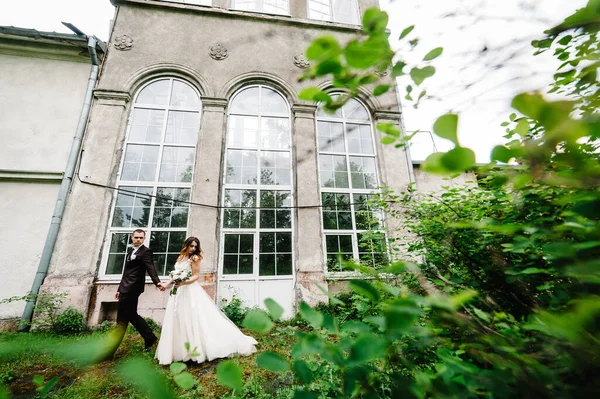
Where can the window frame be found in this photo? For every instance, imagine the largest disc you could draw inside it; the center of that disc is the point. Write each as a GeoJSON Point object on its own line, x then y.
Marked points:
{"type": "Point", "coordinates": [332, 16]}
{"type": "Point", "coordinates": [234, 6]}
{"type": "Point", "coordinates": [258, 188]}
{"type": "Point", "coordinates": [351, 191]}
{"type": "Point", "coordinates": [156, 183]}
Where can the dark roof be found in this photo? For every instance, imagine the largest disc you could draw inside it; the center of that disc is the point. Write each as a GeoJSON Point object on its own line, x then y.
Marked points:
{"type": "Point", "coordinates": [48, 37]}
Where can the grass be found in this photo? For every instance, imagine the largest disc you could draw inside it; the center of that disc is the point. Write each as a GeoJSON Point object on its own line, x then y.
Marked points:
{"type": "Point", "coordinates": [25, 356]}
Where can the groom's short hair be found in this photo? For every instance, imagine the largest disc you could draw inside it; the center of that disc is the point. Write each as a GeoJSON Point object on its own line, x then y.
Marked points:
{"type": "Point", "coordinates": [139, 231]}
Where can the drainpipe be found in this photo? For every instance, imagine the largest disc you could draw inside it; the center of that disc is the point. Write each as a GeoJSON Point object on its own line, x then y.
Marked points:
{"type": "Point", "coordinates": [65, 185]}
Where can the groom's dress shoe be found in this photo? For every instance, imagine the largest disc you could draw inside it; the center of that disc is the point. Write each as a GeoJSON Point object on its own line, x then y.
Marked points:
{"type": "Point", "coordinates": [149, 344]}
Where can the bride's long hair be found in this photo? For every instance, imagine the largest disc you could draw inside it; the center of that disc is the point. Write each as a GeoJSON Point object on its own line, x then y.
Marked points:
{"type": "Point", "coordinates": [186, 245]}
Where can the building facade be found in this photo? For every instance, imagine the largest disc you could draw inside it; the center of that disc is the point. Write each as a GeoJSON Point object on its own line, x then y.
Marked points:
{"type": "Point", "coordinates": [43, 80]}
{"type": "Point", "coordinates": [196, 129]}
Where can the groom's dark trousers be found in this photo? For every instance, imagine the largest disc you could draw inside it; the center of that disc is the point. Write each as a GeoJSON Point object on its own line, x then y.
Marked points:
{"type": "Point", "coordinates": [131, 287]}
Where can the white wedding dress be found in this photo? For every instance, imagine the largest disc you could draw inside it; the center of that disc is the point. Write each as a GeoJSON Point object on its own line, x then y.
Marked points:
{"type": "Point", "coordinates": [192, 316]}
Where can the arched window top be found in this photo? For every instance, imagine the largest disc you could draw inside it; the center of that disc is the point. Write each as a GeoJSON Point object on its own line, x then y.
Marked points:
{"type": "Point", "coordinates": [352, 110]}
{"type": "Point", "coordinates": [344, 11]}
{"type": "Point", "coordinates": [169, 92]}
{"type": "Point", "coordinates": [259, 100]}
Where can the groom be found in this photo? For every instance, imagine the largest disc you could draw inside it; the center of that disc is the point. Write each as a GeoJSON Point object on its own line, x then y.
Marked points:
{"type": "Point", "coordinates": [138, 262]}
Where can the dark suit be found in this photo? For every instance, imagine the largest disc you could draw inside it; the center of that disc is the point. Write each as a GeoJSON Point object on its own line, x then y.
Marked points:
{"type": "Point", "coordinates": [131, 287]}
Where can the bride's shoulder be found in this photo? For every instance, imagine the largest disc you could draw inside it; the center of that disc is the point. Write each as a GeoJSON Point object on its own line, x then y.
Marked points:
{"type": "Point", "coordinates": [195, 258]}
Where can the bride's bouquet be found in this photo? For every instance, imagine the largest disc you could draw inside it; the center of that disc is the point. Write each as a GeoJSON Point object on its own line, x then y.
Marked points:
{"type": "Point", "coordinates": [179, 276]}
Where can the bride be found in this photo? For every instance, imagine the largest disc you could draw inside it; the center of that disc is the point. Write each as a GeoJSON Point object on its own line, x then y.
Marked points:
{"type": "Point", "coordinates": [192, 317]}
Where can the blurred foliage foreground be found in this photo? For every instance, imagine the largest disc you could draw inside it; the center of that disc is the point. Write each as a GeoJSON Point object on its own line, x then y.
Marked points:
{"type": "Point", "coordinates": [504, 303]}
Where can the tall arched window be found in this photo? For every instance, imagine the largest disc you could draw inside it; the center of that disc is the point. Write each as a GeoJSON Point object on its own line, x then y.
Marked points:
{"type": "Point", "coordinates": [257, 243]}
{"type": "Point", "coordinates": [348, 180]}
{"type": "Point", "coordinates": [281, 7]}
{"type": "Point", "coordinates": [156, 173]}
{"type": "Point", "coordinates": [344, 11]}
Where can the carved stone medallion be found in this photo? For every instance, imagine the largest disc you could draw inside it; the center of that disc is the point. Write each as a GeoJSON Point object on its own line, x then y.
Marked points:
{"type": "Point", "coordinates": [123, 43]}
{"type": "Point", "coordinates": [300, 61]}
{"type": "Point", "coordinates": [218, 52]}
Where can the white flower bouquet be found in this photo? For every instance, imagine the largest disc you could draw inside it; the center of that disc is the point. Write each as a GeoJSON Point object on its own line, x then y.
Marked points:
{"type": "Point", "coordinates": [179, 276]}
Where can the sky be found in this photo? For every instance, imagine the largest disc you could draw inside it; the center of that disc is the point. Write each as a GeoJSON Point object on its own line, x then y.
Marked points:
{"type": "Point", "coordinates": [476, 84]}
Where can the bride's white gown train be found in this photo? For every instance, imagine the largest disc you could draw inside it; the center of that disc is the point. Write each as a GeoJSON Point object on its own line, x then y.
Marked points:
{"type": "Point", "coordinates": [192, 316]}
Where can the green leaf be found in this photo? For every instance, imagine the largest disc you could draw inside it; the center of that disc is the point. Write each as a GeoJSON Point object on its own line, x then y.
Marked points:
{"type": "Point", "coordinates": [312, 316]}
{"type": "Point", "coordinates": [38, 380]}
{"type": "Point", "coordinates": [307, 345]}
{"type": "Point", "coordinates": [184, 380]}
{"type": "Point", "coordinates": [418, 75]}
{"type": "Point", "coordinates": [314, 94]}
{"type": "Point", "coordinates": [446, 127]}
{"type": "Point", "coordinates": [396, 268]}
{"type": "Point", "coordinates": [397, 69]}
{"type": "Point", "coordinates": [401, 315]}
{"type": "Point", "coordinates": [368, 79]}
{"type": "Point", "coordinates": [257, 320]}
{"type": "Point", "coordinates": [380, 89]}
{"type": "Point", "coordinates": [355, 327]}
{"type": "Point", "coordinates": [512, 117]}
{"type": "Point", "coordinates": [364, 289]}
{"type": "Point", "coordinates": [302, 371]}
{"type": "Point", "coordinates": [272, 361]}
{"type": "Point", "coordinates": [275, 309]}
{"type": "Point", "coordinates": [522, 127]}
{"type": "Point", "coordinates": [433, 54]}
{"type": "Point", "coordinates": [374, 21]}
{"type": "Point", "coordinates": [229, 374]}
{"type": "Point", "coordinates": [389, 128]}
{"type": "Point", "coordinates": [368, 347]}
{"type": "Point", "coordinates": [47, 387]}
{"type": "Point", "coordinates": [388, 140]}
{"type": "Point", "coordinates": [301, 394]}
{"type": "Point", "coordinates": [323, 47]}
{"type": "Point", "coordinates": [433, 163]}
{"type": "Point", "coordinates": [326, 67]}
{"type": "Point", "coordinates": [177, 367]}
{"type": "Point", "coordinates": [368, 53]}
{"type": "Point", "coordinates": [406, 31]}
{"type": "Point", "coordinates": [144, 377]}
{"type": "Point", "coordinates": [462, 297]}
{"type": "Point", "coordinates": [501, 153]}
{"type": "Point", "coordinates": [458, 159]}
{"type": "Point", "coordinates": [481, 314]}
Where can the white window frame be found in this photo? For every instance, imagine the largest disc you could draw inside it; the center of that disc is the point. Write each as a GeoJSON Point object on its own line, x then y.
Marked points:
{"type": "Point", "coordinates": [351, 191]}
{"type": "Point", "coordinates": [332, 16]}
{"type": "Point", "coordinates": [154, 184]}
{"type": "Point", "coordinates": [259, 6]}
{"type": "Point", "coordinates": [258, 188]}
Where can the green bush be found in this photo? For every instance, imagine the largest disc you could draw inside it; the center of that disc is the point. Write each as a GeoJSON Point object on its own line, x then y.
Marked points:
{"type": "Point", "coordinates": [71, 321]}
{"type": "Point", "coordinates": [234, 310]}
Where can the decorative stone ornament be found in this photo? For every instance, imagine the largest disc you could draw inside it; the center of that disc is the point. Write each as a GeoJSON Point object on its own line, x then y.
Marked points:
{"type": "Point", "coordinates": [300, 61]}
{"type": "Point", "coordinates": [218, 52]}
{"type": "Point", "coordinates": [123, 43]}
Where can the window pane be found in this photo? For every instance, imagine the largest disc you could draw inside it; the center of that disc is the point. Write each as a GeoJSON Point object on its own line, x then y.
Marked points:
{"type": "Point", "coordinates": [241, 167]}
{"type": "Point", "coordinates": [273, 218]}
{"type": "Point", "coordinates": [117, 252]}
{"type": "Point", "coordinates": [132, 207]}
{"type": "Point", "coordinates": [275, 168]}
{"type": "Point", "coordinates": [184, 96]}
{"type": "Point", "coordinates": [359, 139]}
{"type": "Point", "coordinates": [168, 212]}
{"type": "Point", "coordinates": [182, 128]}
{"type": "Point", "coordinates": [275, 133]}
{"type": "Point", "coordinates": [146, 125]}
{"type": "Point", "coordinates": [333, 171]}
{"type": "Point", "coordinates": [177, 164]}
{"type": "Point", "coordinates": [246, 102]}
{"type": "Point", "coordinates": [284, 264]}
{"type": "Point", "coordinates": [266, 264]}
{"type": "Point", "coordinates": [339, 247]}
{"type": "Point", "coordinates": [362, 170]}
{"type": "Point", "coordinates": [272, 103]}
{"type": "Point", "coordinates": [140, 162]}
{"type": "Point", "coordinates": [238, 253]}
{"type": "Point", "coordinates": [345, 11]}
{"type": "Point", "coordinates": [355, 110]}
{"type": "Point", "coordinates": [240, 216]}
{"type": "Point", "coordinates": [330, 136]}
{"type": "Point", "coordinates": [336, 211]}
{"type": "Point", "coordinates": [367, 216]}
{"type": "Point", "coordinates": [243, 131]}
{"type": "Point", "coordinates": [372, 249]}
{"type": "Point", "coordinates": [269, 6]}
{"type": "Point", "coordinates": [156, 93]}
{"type": "Point", "coordinates": [319, 9]}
